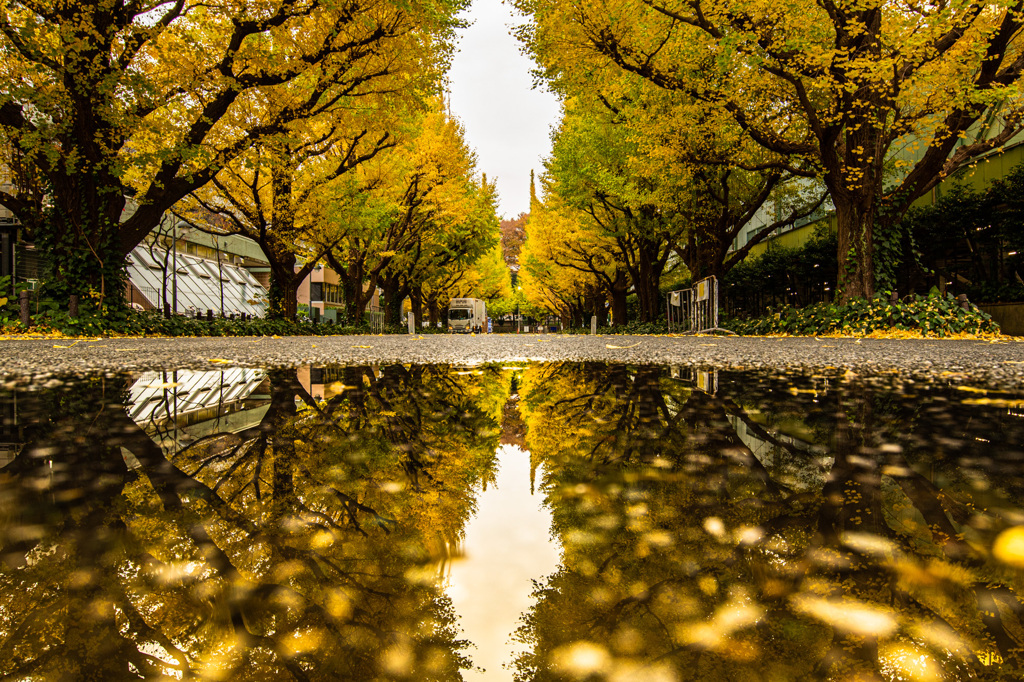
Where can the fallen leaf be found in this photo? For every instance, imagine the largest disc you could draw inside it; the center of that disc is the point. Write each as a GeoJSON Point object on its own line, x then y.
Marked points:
{"type": "Point", "coordinates": [362, 346]}
{"type": "Point", "coordinates": [608, 345]}
{"type": "Point", "coordinates": [971, 389]}
{"type": "Point", "coordinates": [221, 361]}
{"type": "Point", "coordinates": [995, 402]}
{"type": "Point", "coordinates": [72, 344]}
{"type": "Point", "coordinates": [1009, 546]}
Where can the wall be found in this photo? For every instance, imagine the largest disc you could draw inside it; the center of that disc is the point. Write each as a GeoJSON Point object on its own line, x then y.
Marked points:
{"type": "Point", "coordinates": [1010, 316]}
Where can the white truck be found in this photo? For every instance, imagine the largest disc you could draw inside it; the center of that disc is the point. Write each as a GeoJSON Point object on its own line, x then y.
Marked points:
{"type": "Point", "coordinates": [467, 315]}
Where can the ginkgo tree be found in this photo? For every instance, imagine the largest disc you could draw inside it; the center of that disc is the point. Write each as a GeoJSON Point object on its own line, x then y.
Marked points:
{"type": "Point", "coordinates": [487, 278]}
{"type": "Point", "coordinates": [594, 177]}
{"type": "Point", "coordinates": [424, 212]}
{"type": "Point", "coordinates": [275, 194]}
{"type": "Point", "coordinates": [880, 99]}
{"type": "Point", "coordinates": [572, 293]}
{"type": "Point", "coordinates": [117, 99]}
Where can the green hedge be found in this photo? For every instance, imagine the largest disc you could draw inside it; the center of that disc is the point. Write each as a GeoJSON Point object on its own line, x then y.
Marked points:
{"type": "Point", "coordinates": [932, 315]}
{"type": "Point", "coordinates": [632, 328]}
{"type": "Point", "coordinates": [134, 323]}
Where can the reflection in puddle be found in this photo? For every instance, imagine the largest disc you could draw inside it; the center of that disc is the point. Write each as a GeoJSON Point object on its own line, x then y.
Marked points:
{"type": "Point", "coordinates": [363, 523]}
{"type": "Point", "coordinates": [507, 547]}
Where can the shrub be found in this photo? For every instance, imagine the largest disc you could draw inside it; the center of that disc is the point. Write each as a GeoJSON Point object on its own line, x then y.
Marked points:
{"type": "Point", "coordinates": [126, 322]}
{"type": "Point", "coordinates": [659, 327]}
{"type": "Point", "coordinates": [932, 315]}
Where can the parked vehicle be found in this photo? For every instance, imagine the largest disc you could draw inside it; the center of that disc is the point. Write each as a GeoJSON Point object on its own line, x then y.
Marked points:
{"type": "Point", "coordinates": [467, 315]}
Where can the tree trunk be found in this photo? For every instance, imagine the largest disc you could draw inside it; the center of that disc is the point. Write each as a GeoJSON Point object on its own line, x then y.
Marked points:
{"type": "Point", "coordinates": [80, 236]}
{"type": "Point", "coordinates": [284, 288]}
{"type": "Point", "coordinates": [855, 216]}
{"type": "Point", "coordinates": [393, 297]}
{"type": "Point", "coordinates": [351, 276]}
{"type": "Point", "coordinates": [647, 281]}
{"type": "Point", "coordinates": [618, 293]}
{"type": "Point", "coordinates": [416, 299]}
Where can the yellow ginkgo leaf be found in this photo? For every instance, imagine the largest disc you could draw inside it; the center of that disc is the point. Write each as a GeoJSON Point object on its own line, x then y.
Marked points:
{"type": "Point", "coordinates": [221, 361]}
{"type": "Point", "coordinates": [608, 345]}
{"type": "Point", "coordinates": [1009, 546]}
{"type": "Point", "coordinates": [994, 402]}
{"type": "Point", "coordinates": [362, 346]}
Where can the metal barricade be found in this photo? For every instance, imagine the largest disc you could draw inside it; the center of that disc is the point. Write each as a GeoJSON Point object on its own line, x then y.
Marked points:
{"type": "Point", "coordinates": [678, 311]}
{"type": "Point", "coordinates": [376, 320]}
{"type": "Point", "coordinates": [695, 310]}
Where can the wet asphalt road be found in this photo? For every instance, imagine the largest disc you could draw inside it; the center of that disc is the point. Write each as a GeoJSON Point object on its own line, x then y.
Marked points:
{"type": "Point", "coordinates": [994, 364]}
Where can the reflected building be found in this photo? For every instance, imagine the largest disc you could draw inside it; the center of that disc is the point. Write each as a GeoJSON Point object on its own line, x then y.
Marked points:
{"type": "Point", "coordinates": [180, 407]}
{"type": "Point", "coordinates": [12, 438]}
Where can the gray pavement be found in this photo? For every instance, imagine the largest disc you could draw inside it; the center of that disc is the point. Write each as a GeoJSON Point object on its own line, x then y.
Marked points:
{"type": "Point", "coordinates": [997, 364]}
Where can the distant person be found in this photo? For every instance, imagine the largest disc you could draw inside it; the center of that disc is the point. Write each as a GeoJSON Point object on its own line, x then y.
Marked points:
{"type": "Point", "coordinates": [490, 326]}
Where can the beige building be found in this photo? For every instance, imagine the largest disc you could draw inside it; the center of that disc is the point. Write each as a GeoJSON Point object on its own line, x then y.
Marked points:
{"type": "Point", "coordinates": [321, 291]}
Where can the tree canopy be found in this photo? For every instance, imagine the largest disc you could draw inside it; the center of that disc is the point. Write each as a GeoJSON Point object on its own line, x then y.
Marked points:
{"type": "Point", "coordinates": [117, 110]}
{"type": "Point", "coordinates": [878, 100]}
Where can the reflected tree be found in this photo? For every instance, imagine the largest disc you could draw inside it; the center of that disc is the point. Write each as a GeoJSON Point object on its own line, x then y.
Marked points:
{"type": "Point", "coordinates": [306, 547]}
{"type": "Point", "coordinates": [776, 528]}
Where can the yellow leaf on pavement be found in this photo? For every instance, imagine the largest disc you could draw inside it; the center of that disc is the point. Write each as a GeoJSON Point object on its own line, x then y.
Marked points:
{"type": "Point", "coordinates": [608, 345]}
{"type": "Point", "coordinates": [221, 361]}
{"type": "Point", "coordinates": [362, 346]}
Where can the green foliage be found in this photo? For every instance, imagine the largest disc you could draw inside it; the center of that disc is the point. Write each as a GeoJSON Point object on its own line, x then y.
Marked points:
{"type": "Point", "coordinates": [659, 327]}
{"type": "Point", "coordinates": [932, 315]}
{"type": "Point", "coordinates": [970, 237]}
{"type": "Point", "coordinates": [781, 274]}
{"type": "Point", "coordinates": [92, 321]}
{"type": "Point", "coordinates": [83, 252]}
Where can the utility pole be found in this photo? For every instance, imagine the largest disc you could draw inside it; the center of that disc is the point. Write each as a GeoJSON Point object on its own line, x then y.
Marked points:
{"type": "Point", "coordinates": [174, 266]}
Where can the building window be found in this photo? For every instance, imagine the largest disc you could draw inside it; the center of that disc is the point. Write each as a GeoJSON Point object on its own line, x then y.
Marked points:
{"type": "Point", "coordinates": [333, 294]}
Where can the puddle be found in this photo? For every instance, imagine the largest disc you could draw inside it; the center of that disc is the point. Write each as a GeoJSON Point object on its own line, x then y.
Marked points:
{"type": "Point", "coordinates": [515, 522]}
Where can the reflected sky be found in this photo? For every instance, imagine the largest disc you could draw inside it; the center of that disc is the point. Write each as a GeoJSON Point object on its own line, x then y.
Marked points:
{"type": "Point", "coordinates": [507, 547]}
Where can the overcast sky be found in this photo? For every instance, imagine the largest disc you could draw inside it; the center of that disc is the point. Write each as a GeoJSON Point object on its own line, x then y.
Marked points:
{"type": "Point", "coordinates": [507, 122]}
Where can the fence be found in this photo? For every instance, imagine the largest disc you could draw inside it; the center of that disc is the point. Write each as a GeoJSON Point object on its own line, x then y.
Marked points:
{"type": "Point", "coordinates": [145, 297]}
{"type": "Point", "coordinates": [375, 318]}
{"type": "Point", "coordinates": [694, 310]}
